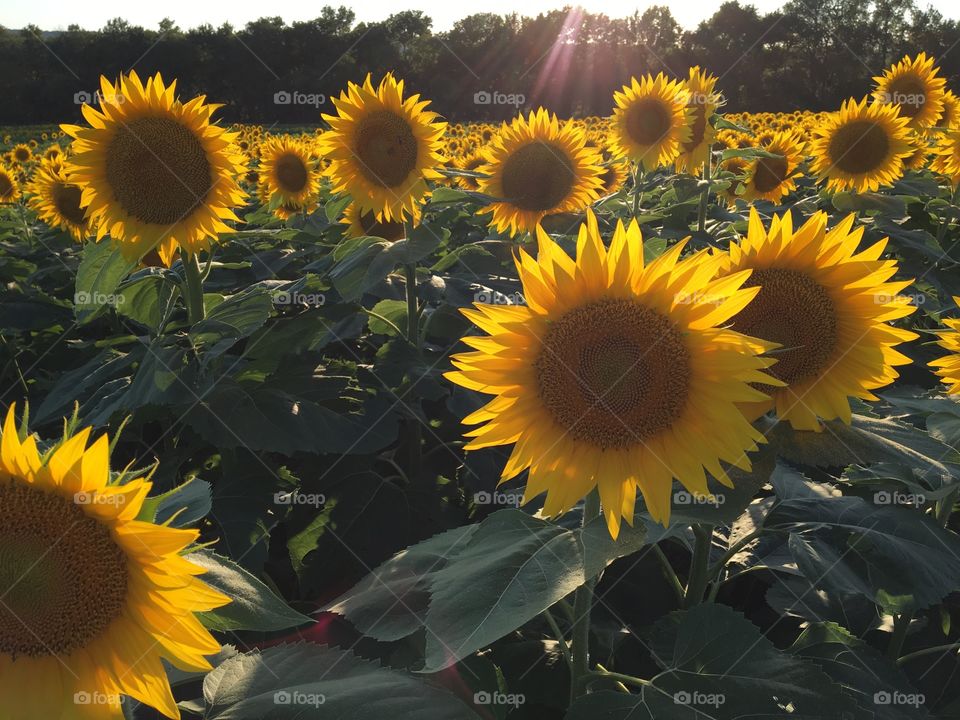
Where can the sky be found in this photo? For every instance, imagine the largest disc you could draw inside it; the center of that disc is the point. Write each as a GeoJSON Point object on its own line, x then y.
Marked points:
{"type": "Point", "coordinates": [93, 14]}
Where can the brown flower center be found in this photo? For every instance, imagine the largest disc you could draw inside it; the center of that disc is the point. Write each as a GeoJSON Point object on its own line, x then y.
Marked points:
{"type": "Point", "coordinates": [386, 148]}
{"type": "Point", "coordinates": [648, 121]}
{"type": "Point", "coordinates": [66, 198]}
{"type": "Point", "coordinates": [290, 172]}
{"type": "Point", "coordinates": [537, 176]}
{"type": "Point", "coordinates": [859, 147]}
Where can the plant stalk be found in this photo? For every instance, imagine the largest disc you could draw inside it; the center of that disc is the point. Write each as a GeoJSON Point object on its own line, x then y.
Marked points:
{"type": "Point", "coordinates": [193, 292]}
{"type": "Point", "coordinates": [699, 565]}
{"type": "Point", "coordinates": [580, 644]}
{"type": "Point", "coordinates": [704, 197]}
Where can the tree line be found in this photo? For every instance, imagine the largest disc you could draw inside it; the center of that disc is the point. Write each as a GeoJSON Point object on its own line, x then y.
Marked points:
{"type": "Point", "coordinates": [810, 54]}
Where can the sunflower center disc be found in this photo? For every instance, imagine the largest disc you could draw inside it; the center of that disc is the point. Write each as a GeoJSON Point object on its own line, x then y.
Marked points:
{"type": "Point", "coordinates": [537, 176]}
{"type": "Point", "coordinates": [67, 200]}
{"type": "Point", "coordinates": [387, 148]}
{"type": "Point", "coordinates": [909, 93]}
{"type": "Point", "coordinates": [698, 129]}
{"type": "Point", "coordinates": [859, 147]}
{"type": "Point", "coordinates": [21, 154]}
{"type": "Point", "coordinates": [795, 311]}
{"type": "Point", "coordinates": [291, 173]}
{"type": "Point", "coordinates": [388, 230]}
{"type": "Point", "coordinates": [613, 373]}
{"type": "Point", "coordinates": [648, 121]}
{"type": "Point", "coordinates": [6, 185]}
{"type": "Point", "coordinates": [770, 173]}
{"type": "Point", "coordinates": [62, 578]}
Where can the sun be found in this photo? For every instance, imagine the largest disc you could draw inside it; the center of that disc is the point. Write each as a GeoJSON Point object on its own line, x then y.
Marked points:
{"type": "Point", "coordinates": [774, 178]}
{"type": "Point", "coordinates": [862, 147]}
{"type": "Point", "coordinates": [155, 172]}
{"type": "Point", "coordinates": [94, 599]}
{"type": "Point", "coordinates": [912, 86]}
{"type": "Point", "coordinates": [383, 149]}
{"type": "Point", "coordinates": [56, 200]}
{"type": "Point", "coordinates": [288, 174]}
{"type": "Point", "coordinates": [616, 374]}
{"type": "Point", "coordinates": [538, 166]}
{"type": "Point", "coordinates": [828, 307]}
{"type": "Point", "coordinates": [651, 121]}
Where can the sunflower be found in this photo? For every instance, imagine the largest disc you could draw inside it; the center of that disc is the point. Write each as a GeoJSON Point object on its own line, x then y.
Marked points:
{"type": "Point", "coordinates": [57, 201]}
{"type": "Point", "coordinates": [913, 87]}
{"type": "Point", "coordinates": [615, 375]}
{"type": "Point", "coordinates": [917, 160]}
{"type": "Point", "coordinates": [861, 147]}
{"type": "Point", "coordinates": [288, 175]}
{"type": "Point", "coordinates": [613, 177]}
{"type": "Point", "coordinates": [948, 366]}
{"type": "Point", "coordinates": [154, 171]}
{"type": "Point", "coordinates": [93, 599]}
{"type": "Point", "coordinates": [946, 160]}
{"type": "Point", "coordinates": [469, 163]}
{"type": "Point", "coordinates": [703, 102]}
{"type": "Point", "coordinates": [540, 167]}
{"type": "Point", "coordinates": [651, 120]}
{"type": "Point", "coordinates": [22, 153]}
{"type": "Point", "coordinates": [360, 223]}
{"type": "Point", "coordinates": [827, 306]}
{"type": "Point", "coordinates": [951, 110]}
{"type": "Point", "coordinates": [9, 187]}
{"type": "Point", "coordinates": [773, 178]}
{"type": "Point", "coordinates": [739, 167]}
{"type": "Point", "coordinates": [383, 149]}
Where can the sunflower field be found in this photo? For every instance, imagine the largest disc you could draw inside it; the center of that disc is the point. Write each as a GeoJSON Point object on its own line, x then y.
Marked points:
{"type": "Point", "coordinates": [646, 416]}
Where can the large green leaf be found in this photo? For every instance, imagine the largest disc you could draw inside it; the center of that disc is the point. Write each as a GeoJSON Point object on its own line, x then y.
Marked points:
{"type": "Point", "coordinates": [101, 270]}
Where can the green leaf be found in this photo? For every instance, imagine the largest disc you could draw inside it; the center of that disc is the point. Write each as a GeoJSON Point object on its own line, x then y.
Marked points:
{"type": "Point", "coordinates": [189, 502]}
{"type": "Point", "coordinates": [253, 605]}
{"type": "Point", "coordinates": [859, 202]}
{"type": "Point", "coordinates": [395, 312]}
{"type": "Point", "coordinates": [235, 318]}
{"type": "Point", "coordinates": [148, 300]}
{"type": "Point", "coordinates": [101, 270]}
{"type": "Point", "coordinates": [314, 682]}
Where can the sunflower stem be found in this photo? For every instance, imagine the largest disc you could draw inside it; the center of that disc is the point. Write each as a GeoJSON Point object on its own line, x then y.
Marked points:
{"type": "Point", "coordinates": [636, 190]}
{"type": "Point", "coordinates": [194, 287]}
{"type": "Point", "coordinates": [901, 623]}
{"type": "Point", "coordinates": [415, 438]}
{"type": "Point", "coordinates": [699, 565]}
{"type": "Point", "coordinates": [704, 196]}
{"type": "Point", "coordinates": [583, 602]}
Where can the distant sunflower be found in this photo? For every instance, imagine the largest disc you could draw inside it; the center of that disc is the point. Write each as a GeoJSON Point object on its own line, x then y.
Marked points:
{"type": "Point", "coordinates": [615, 375]}
{"type": "Point", "coordinates": [951, 110]}
{"type": "Point", "coordinates": [917, 160]}
{"type": "Point", "coordinates": [613, 177]}
{"type": "Point", "coordinates": [828, 307]}
{"type": "Point", "coordinates": [703, 103]}
{"type": "Point", "coordinates": [739, 167]}
{"type": "Point", "coordinates": [861, 147]}
{"type": "Point", "coordinates": [773, 178]}
{"type": "Point", "coordinates": [651, 120]}
{"type": "Point", "coordinates": [946, 160]}
{"type": "Point", "coordinates": [93, 599]}
{"type": "Point", "coordinates": [56, 200]}
{"type": "Point", "coordinates": [22, 153]}
{"type": "Point", "coordinates": [539, 167]}
{"type": "Point", "coordinates": [948, 366]}
{"type": "Point", "coordinates": [155, 173]}
{"type": "Point", "coordinates": [914, 88]}
{"type": "Point", "coordinates": [383, 148]}
{"type": "Point", "coordinates": [9, 187]}
{"type": "Point", "coordinates": [288, 174]}
{"type": "Point", "coordinates": [470, 163]}
{"type": "Point", "coordinates": [361, 223]}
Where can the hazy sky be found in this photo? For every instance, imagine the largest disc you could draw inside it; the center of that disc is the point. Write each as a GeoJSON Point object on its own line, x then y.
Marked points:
{"type": "Point", "coordinates": [93, 14]}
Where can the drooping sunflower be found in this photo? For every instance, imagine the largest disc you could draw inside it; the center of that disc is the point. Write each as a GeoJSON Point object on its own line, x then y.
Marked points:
{"type": "Point", "coordinates": [615, 375]}
{"type": "Point", "coordinates": [861, 147]}
{"type": "Point", "coordinates": [948, 366]}
{"type": "Point", "coordinates": [9, 187]}
{"type": "Point", "coordinates": [93, 599]}
{"type": "Point", "coordinates": [539, 166]}
{"type": "Point", "coordinates": [288, 174]}
{"type": "Point", "coordinates": [828, 307]}
{"type": "Point", "coordinates": [360, 223]}
{"type": "Point", "coordinates": [913, 87]}
{"type": "Point", "coordinates": [56, 200]}
{"type": "Point", "coordinates": [383, 149]}
{"type": "Point", "coordinates": [773, 178]}
{"type": "Point", "coordinates": [651, 121]}
{"type": "Point", "coordinates": [155, 172]}
{"type": "Point", "coordinates": [703, 101]}
{"type": "Point", "coordinates": [946, 160]}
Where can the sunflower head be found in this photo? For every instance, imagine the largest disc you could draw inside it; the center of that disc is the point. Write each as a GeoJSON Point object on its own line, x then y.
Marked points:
{"type": "Point", "coordinates": [56, 200]}
{"type": "Point", "coordinates": [22, 153]}
{"type": "Point", "coordinates": [470, 163]}
{"type": "Point", "coordinates": [288, 171]}
{"type": "Point", "coordinates": [360, 223]}
{"type": "Point", "coordinates": [946, 159]}
{"type": "Point", "coordinates": [703, 101]}
{"type": "Point", "coordinates": [652, 120]}
{"type": "Point", "coordinates": [538, 166]}
{"type": "Point", "coordinates": [155, 172]}
{"type": "Point", "coordinates": [9, 186]}
{"type": "Point", "coordinates": [913, 87]}
{"type": "Point", "coordinates": [94, 598]}
{"type": "Point", "coordinates": [616, 374]}
{"type": "Point", "coordinates": [771, 178]}
{"type": "Point", "coordinates": [828, 306]}
{"type": "Point", "coordinates": [948, 366]}
{"type": "Point", "coordinates": [861, 147]}
{"type": "Point", "coordinates": [383, 148]}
